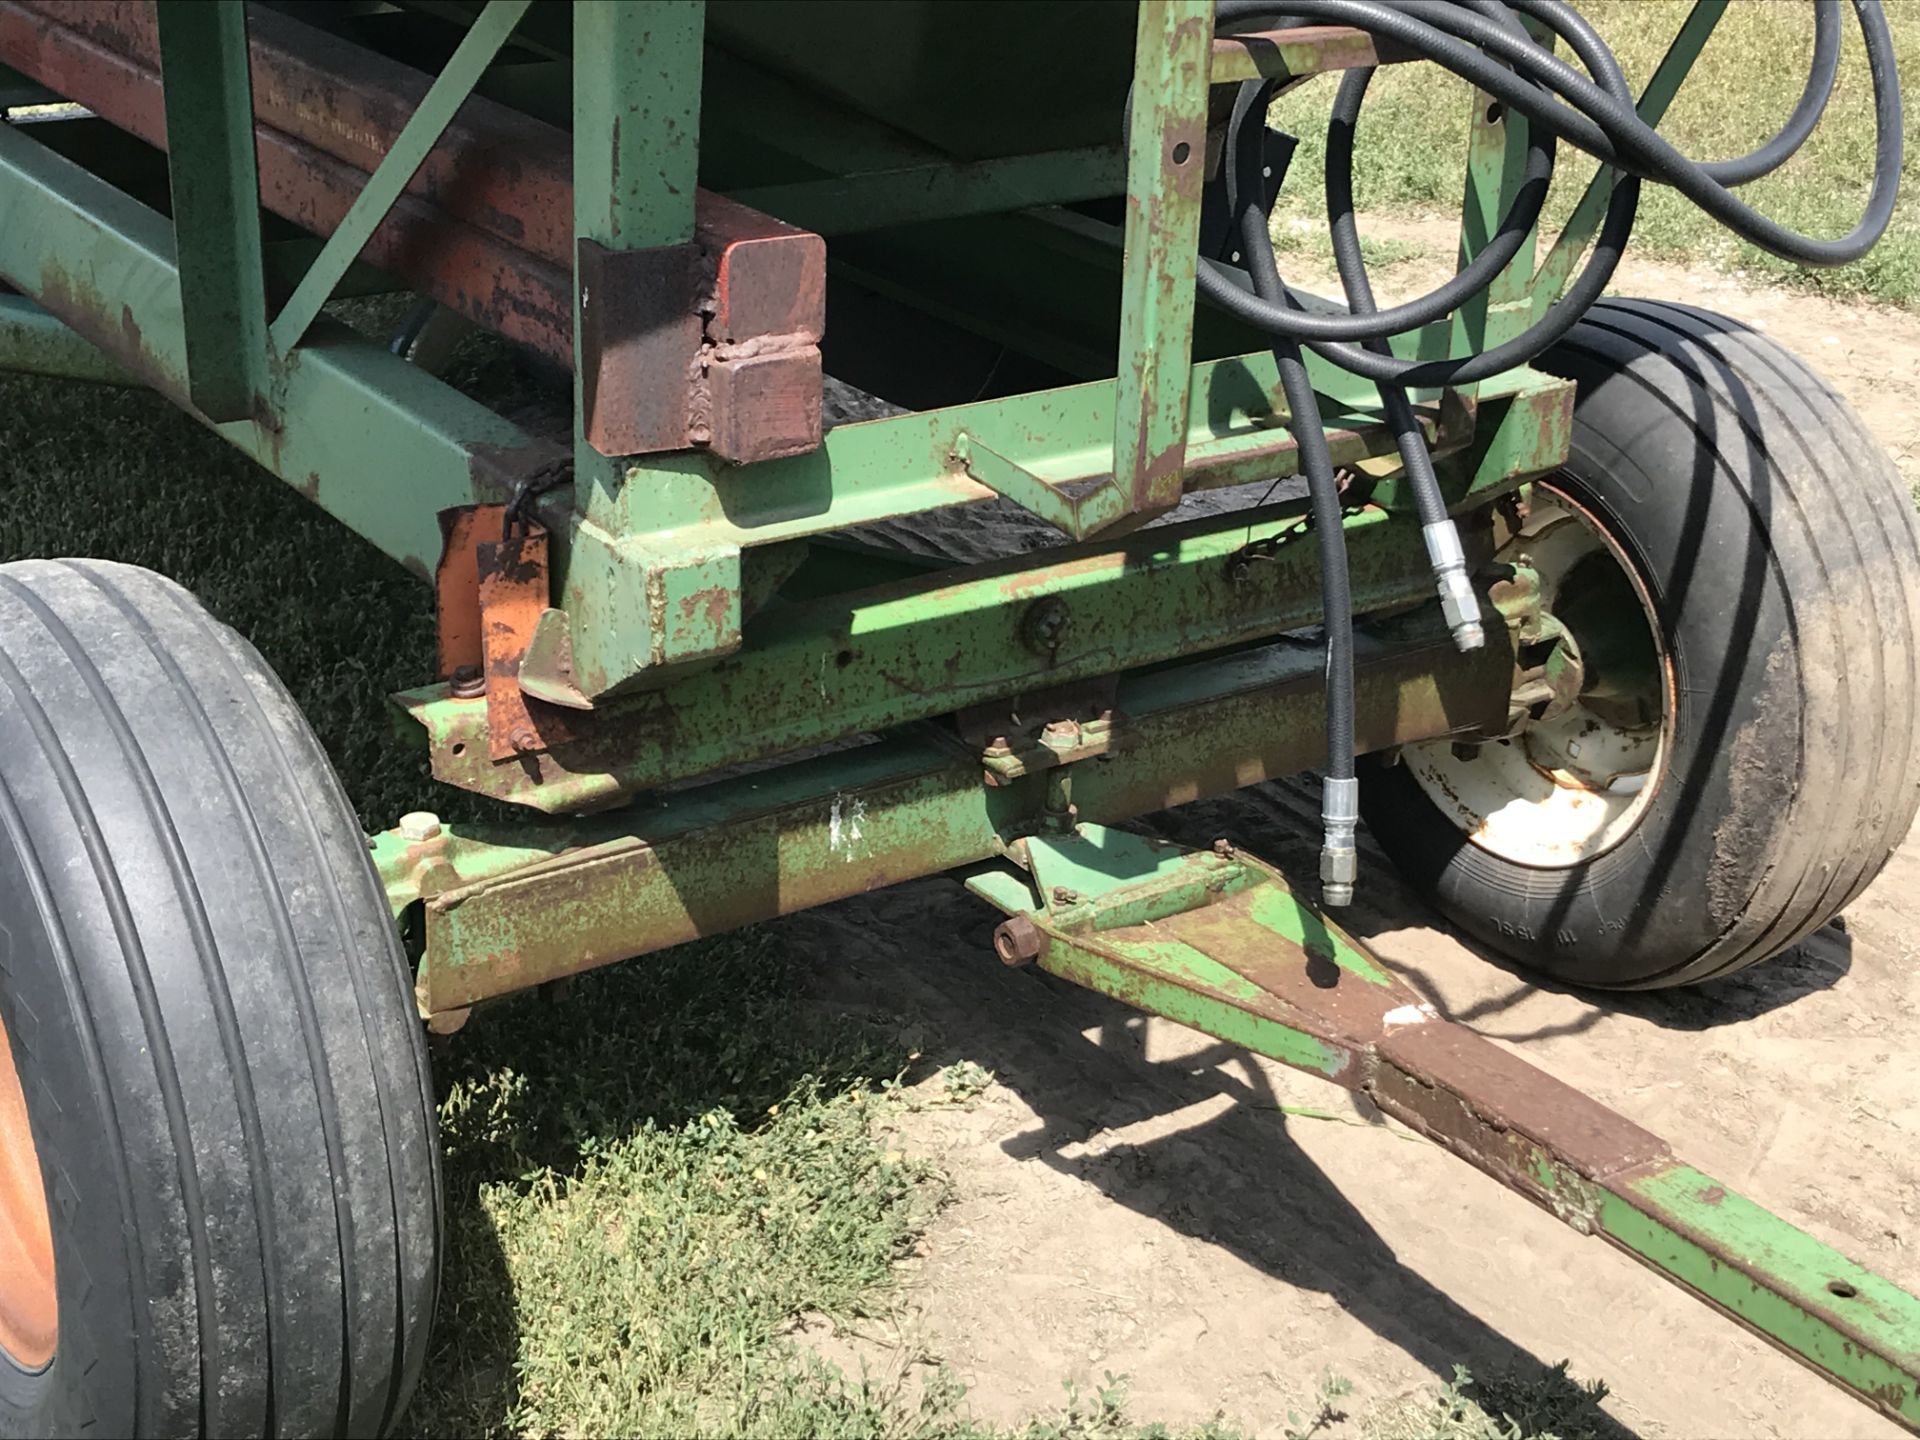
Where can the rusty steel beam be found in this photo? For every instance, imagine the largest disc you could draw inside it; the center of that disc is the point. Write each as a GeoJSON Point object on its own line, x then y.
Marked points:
{"type": "Point", "coordinates": [485, 224]}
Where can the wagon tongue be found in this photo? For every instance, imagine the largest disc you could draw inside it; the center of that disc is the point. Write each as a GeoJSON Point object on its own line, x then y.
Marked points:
{"type": "Point", "coordinates": [1216, 940]}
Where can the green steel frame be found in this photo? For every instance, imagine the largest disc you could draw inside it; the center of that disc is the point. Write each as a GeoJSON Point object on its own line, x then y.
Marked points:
{"type": "Point", "coordinates": [1158, 656]}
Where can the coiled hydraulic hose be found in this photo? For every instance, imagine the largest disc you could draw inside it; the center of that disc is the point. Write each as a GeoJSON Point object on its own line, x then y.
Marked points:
{"type": "Point", "coordinates": [1486, 42]}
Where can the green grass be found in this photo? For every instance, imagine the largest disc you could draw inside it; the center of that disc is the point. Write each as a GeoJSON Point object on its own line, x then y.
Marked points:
{"type": "Point", "coordinates": [1413, 137]}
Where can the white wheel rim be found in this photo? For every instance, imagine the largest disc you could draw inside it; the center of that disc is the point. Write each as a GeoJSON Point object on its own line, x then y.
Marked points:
{"type": "Point", "coordinates": [1567, 788]}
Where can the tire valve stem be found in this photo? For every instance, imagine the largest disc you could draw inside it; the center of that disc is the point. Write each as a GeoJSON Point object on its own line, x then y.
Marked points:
{"type": "Point", "coordinates": [1457, 601]}
{"type": "Point", "coordinates": [1339, 862]}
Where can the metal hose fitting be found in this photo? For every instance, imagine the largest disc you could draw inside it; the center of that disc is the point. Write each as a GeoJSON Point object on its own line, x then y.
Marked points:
{"type": "Point", "coordinates": [1457, 600]}
{"type": "Point", "coordinates": [1339, 861]}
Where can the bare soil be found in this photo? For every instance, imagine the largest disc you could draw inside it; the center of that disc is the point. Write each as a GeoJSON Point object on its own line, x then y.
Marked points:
{"type": "Point", "coordinates": [1133, 1198]}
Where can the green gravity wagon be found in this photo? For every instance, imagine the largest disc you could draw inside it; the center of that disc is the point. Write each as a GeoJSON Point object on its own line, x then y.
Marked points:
{"type": "Point", "coordinates": [917, 462]}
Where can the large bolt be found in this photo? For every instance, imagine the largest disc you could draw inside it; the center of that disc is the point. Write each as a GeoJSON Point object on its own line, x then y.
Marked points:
{"type": "Point", "coordinates": [467, 682]}
{"type": "Point", "coordinates": [1223, 848]}
{"type": "Point", "coordinates": [1017, 941]}
{"type": "Point", "coordinates": [1064, 896]}
{"type": "Point", "coordinates": [1045, 626]}
{"type": "Point", "coordinates": [524, 739]}
{"type": "Point", "coordinates": [419, 825]}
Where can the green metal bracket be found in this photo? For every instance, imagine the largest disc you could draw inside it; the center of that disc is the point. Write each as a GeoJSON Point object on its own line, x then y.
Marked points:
{"type": "Point", "coordinates": [449, 90]}
{"type": "Point", "coordinates": [1217, 941]}
{"type": "Point", "coordinates": [208, 92]}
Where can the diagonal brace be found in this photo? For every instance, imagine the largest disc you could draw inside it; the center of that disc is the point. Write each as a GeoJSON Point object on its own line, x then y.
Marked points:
{"type": "Point", "coordinates": [410, 148]}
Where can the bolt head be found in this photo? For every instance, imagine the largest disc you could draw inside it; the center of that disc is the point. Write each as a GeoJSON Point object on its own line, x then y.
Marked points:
{"type": "Point", "coordinates": [1223, 848]}
{"type": "Point", "coordinates": [467, 682]}
{"type": "Point", "coordinates": [524, 739]}
{"type": "Point", "coordinates": [419, 825]}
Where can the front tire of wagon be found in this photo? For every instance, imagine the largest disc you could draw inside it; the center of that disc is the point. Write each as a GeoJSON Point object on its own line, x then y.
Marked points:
{"type": "Point", "coordinates": [1740, 554]}
{"type": "Point", "coordinates": [219, 1193]}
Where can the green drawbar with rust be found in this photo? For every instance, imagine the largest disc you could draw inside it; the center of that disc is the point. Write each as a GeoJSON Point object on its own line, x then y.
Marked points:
{"type": "Point", "coordinates": [930, 467]}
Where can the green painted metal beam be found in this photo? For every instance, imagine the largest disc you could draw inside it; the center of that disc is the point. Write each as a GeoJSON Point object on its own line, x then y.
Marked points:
{"type": "Point", "coordinates": [512, 906]}
{"type": "Point", "coordinates": [1166, 164]}
{"type": "Point", "coordinates": [376, 442]}
{"type": "Point", "coordinates": [851, 664]}
{"type": "Point", "coordinates": [1829, 1311]}
{"type": "Point", "coordinates": [636, 121]}
{"type": "Point", "coordinates": [208, 92]}
{"type": "Point", "coordinates": [36, 343]}
{"type": "Point", "coordinates": [410, 148]}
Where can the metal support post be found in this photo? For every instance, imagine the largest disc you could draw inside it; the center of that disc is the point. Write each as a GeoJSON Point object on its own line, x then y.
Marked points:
{"type": "Point", "coordinates": [216, 204]}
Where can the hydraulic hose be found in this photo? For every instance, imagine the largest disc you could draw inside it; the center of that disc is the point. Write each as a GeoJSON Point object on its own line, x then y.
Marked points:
{"type": "Point", "coordinates": [1486, 42]}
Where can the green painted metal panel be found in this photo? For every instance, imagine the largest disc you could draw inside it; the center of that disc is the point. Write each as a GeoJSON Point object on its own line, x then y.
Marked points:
{"type": "Point", "coordinates": [1175, 980]}
{"type": "Point", "coordinates": [208, 93]}
{"type": "Point", "coordinates": [1281, 912]}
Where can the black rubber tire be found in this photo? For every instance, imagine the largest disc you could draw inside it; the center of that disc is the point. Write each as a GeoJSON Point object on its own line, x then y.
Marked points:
{"type": "Point", "coordinates": [1782, 556]}
{"type": "Point", "coordinates": [214, 1027]}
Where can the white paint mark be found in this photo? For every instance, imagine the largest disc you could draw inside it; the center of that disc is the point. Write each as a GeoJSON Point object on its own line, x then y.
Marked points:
{"type": "Point", "coordinates": [1408, 1015]}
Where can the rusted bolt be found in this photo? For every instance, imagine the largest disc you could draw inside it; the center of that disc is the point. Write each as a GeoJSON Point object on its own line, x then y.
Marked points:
{"type": "Point", "coordinates": [1017, 941]}
{"type": "Point", "coordinates": [467, 682]}
{"type": "Point", "coordinates": [1223, 848]}
{"type": "Point", "coordinates": [1064, 896]}
{"type": "Point", "coordinates": [1045, 626]}
{"type": "Point", "coordinates": [998, 747]}
{"type": "Point", "coordinates": [1061, 734]}
{"type": "Point", "coordinates": [524, 739]}
{"type": "Point", "coordinates": [418, 825]}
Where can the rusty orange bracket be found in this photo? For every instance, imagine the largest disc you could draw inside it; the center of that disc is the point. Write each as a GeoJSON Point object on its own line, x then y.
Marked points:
{"type": "Point", "coordinates": [490, 591]}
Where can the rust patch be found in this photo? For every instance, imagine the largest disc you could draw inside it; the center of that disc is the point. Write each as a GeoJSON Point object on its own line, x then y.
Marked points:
{"type": "Point", "coordinates": [514, 591]}
{"type": "Point", "coordinates": [1465, 1090]}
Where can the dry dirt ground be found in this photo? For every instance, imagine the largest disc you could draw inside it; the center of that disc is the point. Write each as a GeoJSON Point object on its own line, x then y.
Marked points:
{"type": "Point", "coordinates": [1133, 1198]}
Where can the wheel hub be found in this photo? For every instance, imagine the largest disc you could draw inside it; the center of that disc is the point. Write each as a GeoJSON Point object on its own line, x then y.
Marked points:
{"type": "Point", "coordinates": [29, 1306]}
{"type": "Point", "coordinates": [1588, 723]}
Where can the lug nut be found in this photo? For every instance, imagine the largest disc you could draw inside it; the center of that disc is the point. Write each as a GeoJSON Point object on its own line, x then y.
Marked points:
{"type": "Point", "coordinates": [419, 825]}
{"type": "Point", "coordinates": [1017, 941]}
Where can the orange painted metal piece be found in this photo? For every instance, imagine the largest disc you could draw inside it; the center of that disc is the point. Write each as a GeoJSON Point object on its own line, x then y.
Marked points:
{"type": "Point", "coordinates": [29, 1303]}
{"type": "Point", "coordinates": [515, 590]}
{"type": "Point", "coordinates": [456, 585]}
{"type": "Point", "coordinates": [491, 589]}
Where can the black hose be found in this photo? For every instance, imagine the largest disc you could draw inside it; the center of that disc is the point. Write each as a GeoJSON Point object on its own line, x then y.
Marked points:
{"type": "Point", "coordinates": [1485, 42]}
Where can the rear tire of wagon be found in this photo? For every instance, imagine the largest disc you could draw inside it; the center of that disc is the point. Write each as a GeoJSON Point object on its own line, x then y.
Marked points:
{"type": "Point", "coordinates": [1774, 565]}
{"type": "Point", "coordinates": [220, 1207]}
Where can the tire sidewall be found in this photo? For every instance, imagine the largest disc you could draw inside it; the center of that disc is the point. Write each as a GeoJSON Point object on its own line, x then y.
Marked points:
{"type": "Point", "coordinates": [94, 1356]}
